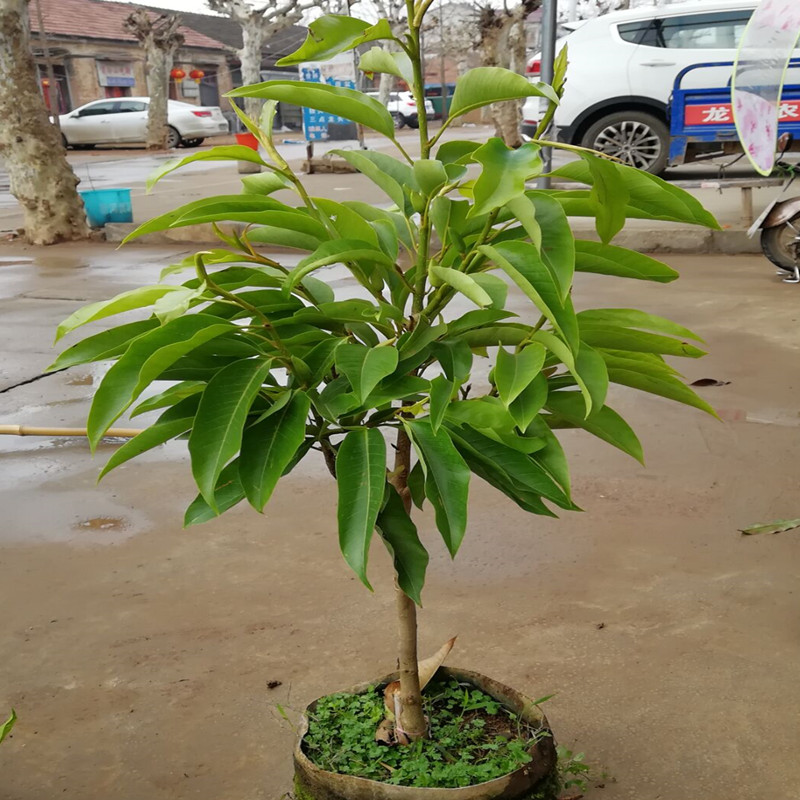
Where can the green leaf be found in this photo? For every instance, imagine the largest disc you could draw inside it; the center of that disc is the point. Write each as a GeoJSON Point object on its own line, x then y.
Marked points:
{"type": "Point", "coordinates": [616, 338]}
{"type": "Point", "coordinates": [288, 229]}
{"type": "Point", "coordinates": [430, 175]}
{"type": "Point", "coordinates": [336, 251]}
{"type": "Point", "coordinates": [376, 59]}
{"type": "Point", "coordinates": [607, 259]}
{"type": "Point", "coordinates": [650, 197]}
{"type": "Point", "coordinates": [495, 287]}
{"type": "Point", "coordinates": [529, 402]}
{"type": "Point", "coordinates": [441, 392]}
{"type": "Point", "coordinates": [633, 318]}
{"type": "Point", "coordinates": [463, 283]}
{"type": "Point", "coordinates": [103, 345]}
{"type": "Point", "coordinates": [231, 152]}
{"type": "Point", "coordinates": [264, 183]}
{"type": "Point", "coordinates": [233, 208]}
{"type": "Point", "coordinates": [217, 433]}
{"type": "Point", "coordinates": [610, 195]}
{"type": "Point", "coordinates": [446, 479]}
{"type": "Point", "coordinates": [269, 446]}
{"type": "Point", "coordinates": [333, 34]}
{"type": "Point", "coordinates": [604, 423]}
{"type": "Point", "coordinates": [149, 438]}
{"type": "Point", "coordinates": [458, 151]}
{"type": "Point", "coordinates": [364, 366]}
{"type": "Point", "coordinates": [361, 478]}
{"type": "Point", "coordinates": [522, 262]}
{"type": "Point", "coordinates": [558, 242]}
{"type": "Point", "coordinates": [514, 371]}
{"type": "Point", "coordinates": [146, 359]}
{"type": "Point", "coordinates": [455, 359]}
{"type": "Point", "coordinates": [228, 493]}
{"type": "Point", "coordinates": [319, 291]}
{"type": "Point", "coordinates": [504, 173]}
{"type": "Point", "coordinates": [347, 103]}
{"type": "Point", "coordinates": [416, 485]}
{"type": "Point", "coordinates": [766, 527]}
{"type": "Point", "coordinates": [591, 367]}
{"type": "Point", "coordinates": [169, 397]}
{"type": "Point", "coordinates": [524, 210]}
{"type": "Point", "coordinates": [400, 536]}
{"type": "Point", "coordinates": [175, 304]}
{"type": "Point", "coordinates": [126, 301]}
{"type": "Point", "coordinates": [6, 727]}
{"type": "Point", "coordinates": [666, 386]}
{"type": "Point", "coordinates": [566, 357]}
{"type": "Point", "coordinates": [367, 165]}
{"type": "Point", "coordinates": [486, 85]}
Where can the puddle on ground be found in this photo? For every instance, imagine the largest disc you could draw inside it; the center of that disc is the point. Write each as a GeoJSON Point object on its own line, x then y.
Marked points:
{"type": "Point", "coordinates": [101, 524]}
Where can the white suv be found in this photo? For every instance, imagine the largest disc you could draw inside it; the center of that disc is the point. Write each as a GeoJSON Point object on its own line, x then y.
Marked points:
{"type": "Point", "coordinates": [403, 108]}
{"type": "Point", "coordinates": [622, 67]}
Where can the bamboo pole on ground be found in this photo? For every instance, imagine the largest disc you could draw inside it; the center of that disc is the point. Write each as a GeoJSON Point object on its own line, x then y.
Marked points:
{"type": "Point", "coordinates": [31, 430]}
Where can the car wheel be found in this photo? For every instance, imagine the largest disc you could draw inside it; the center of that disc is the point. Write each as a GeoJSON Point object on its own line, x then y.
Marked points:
{"type": "Point", "coordinates": [399, 121]}
{"type": "Point", "coordinates": [193, 142]}
{"type": "Point", "coordinates": [413, 122]}
{"type": "Point", "coordinates": [173, 138]}
{"type": "Point", "coordinates": [638, 139]}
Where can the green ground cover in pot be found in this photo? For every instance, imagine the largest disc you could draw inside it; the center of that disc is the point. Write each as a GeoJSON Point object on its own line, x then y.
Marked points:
{"type": "Point", "coordinates": [473, 738]}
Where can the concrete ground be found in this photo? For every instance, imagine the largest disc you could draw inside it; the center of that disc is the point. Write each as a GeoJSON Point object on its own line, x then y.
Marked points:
{"type": "Point", "coordinates": [138, 655]}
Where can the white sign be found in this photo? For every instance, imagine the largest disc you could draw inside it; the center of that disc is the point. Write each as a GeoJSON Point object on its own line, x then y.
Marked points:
{"type": "Point", "coordinates": [115, 73]}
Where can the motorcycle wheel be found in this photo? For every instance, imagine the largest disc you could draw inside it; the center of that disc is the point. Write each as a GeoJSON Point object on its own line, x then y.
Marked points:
{"type": "Point", "coordinates": [781, 244]}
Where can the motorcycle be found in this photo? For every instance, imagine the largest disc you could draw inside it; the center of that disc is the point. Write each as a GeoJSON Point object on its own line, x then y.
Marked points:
{"type": "Point", "coordinates": [780, 222]}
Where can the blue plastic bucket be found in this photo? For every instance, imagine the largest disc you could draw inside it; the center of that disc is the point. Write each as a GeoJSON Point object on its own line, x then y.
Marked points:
{"type": "Point", "coordinates": [107, 205]}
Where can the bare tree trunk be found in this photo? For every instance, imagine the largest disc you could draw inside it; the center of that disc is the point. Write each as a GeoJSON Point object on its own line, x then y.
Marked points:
{"type": "Point", "coordinates": [250, 59]}
{"type": "Point", "coordinates": [412, 719]}
{"type": "Point", "coordinates": [159, 65]}
{"type": "Point", "coordinates": [385, 86]}
{"type": "Point", "coordinates": [159, 38]}
{"type": "Point", "coordinates": [41, 178]}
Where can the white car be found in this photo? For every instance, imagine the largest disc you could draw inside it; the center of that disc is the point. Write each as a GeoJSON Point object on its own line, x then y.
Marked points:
{"type": "Point", "coordinates": [403, 108]}
{"type": "Point", "coordinates": [622, 67]}
{"type": "Point", "coordinates": [124, 119]}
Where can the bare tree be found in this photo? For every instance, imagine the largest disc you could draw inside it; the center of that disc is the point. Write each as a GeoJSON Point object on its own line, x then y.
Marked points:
{"type": "Point", "coordinates": [159, 38]}
{"type": "Point", "coordinates": [452, 32]}
{"type": "Point", "coordinates": [502, 44]}
{"type": "Point", "coordinates": [394, 12]}
{"type": "Point", "coordinates": [31, 147]}
{"type": "Point", "coordinates": [259, 23]}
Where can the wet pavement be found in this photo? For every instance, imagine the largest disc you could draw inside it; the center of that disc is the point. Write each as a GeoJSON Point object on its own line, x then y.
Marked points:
{"type": "Point", "coordinates": [137, 654]}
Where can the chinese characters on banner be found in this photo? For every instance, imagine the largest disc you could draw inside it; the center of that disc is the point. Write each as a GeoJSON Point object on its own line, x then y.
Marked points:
{"type": "Point", "coordinates": [338, 71]}
{"type": "Point", "coordinates": [722, 113]}
{"type": "Point", "coordinates": [758, 75]}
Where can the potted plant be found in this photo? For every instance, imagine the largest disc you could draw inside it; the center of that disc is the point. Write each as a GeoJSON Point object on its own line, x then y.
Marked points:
{"type": "Point", "coordinates": [267, 365]}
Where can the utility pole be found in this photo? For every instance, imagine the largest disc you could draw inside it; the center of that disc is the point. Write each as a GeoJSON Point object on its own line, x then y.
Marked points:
{"type": "Point", "coordinates": [441, 64]}
{"type": "Point", "coordinates": [549, 23]}
{"type": "Point", "coordinates": [52, 88]}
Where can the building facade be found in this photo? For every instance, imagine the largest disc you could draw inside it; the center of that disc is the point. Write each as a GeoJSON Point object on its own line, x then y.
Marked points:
{"type": "Point", "coordinates": [93, 57]}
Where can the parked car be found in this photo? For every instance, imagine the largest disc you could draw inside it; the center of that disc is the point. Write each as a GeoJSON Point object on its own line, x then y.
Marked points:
{"type": "Point", "coordinates": [124, 119]}
{"type": "Point", "coordinates": [622, 67]}
{"type": "Point", "coordinates": [403, 108]}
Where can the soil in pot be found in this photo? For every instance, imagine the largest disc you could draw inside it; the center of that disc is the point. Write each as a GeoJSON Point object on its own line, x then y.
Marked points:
{"type": "Point", "coordinates": [473, 738]}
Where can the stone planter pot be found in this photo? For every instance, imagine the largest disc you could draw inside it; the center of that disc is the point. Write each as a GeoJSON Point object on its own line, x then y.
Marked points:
{"type": "Point", "coordinates": [313, 783]}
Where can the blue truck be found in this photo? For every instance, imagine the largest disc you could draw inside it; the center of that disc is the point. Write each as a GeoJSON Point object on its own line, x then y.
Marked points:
{"type": "Point", "coordinates": [701, 120]}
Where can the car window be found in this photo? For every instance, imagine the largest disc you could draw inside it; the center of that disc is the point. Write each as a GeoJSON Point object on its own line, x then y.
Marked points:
{"type": "Point", "coordinates": [132, 105]}
{"type": "Point", "coordinates": [719, 31]}
{"type": "Point", "coordinates": [98, 108]}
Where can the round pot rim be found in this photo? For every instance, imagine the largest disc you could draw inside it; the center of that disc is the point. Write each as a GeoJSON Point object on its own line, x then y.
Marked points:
{"type": "Point", "coordinates": [510, 698]}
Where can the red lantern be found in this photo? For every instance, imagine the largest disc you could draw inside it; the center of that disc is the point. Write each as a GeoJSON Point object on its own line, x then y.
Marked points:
{"type": "Point", "coordinates": [177, 74]}
{"type": "Point", "coordinates": [197, 75]}
{"type": "Point", "coordinates": [45, 83]}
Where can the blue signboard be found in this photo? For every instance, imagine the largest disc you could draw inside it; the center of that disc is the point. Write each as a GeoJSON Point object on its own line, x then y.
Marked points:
{"type": "Point", "coordinates": [315, 123]}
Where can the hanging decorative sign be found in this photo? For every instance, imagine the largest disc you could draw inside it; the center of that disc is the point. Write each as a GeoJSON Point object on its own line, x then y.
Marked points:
{"type": "Point", "coordinates": [758, 76]}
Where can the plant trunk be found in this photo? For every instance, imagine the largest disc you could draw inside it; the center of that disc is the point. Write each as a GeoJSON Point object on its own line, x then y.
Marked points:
{"type": "Point", "coordinates": [40, 176]}
{"type": "Point", "coordinates": [411, 721]}
{"type": "Point", "coordinates": [159, 65]}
